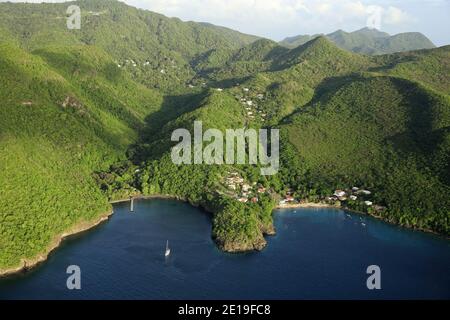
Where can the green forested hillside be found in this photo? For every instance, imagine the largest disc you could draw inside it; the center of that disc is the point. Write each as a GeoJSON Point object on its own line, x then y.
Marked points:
{"type": "Point", "coordinates": [384, 133]}
{"type": "Point", "coordinates": [157, 51]}
{"type": "Point", "coordinates": [86, 116]}
{"type": "Point", "coordinates": [59, 122]}
{"type": "Point", "coordinates": [368, 41]}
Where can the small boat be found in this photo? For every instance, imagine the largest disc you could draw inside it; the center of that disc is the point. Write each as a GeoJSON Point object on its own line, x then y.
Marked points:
{"type": "Point", "coordinates": [363, 224]}
{"type": "Point", "coordinates": [167, 253]}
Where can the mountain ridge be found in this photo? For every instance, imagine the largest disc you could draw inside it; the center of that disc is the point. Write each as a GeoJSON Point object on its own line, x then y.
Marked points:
{"type": "Point", "coordinates": [368, 41]}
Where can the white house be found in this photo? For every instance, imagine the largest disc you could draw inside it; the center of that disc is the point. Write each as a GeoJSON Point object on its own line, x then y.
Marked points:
{"type": "Point", "coordinates": [340, 193]}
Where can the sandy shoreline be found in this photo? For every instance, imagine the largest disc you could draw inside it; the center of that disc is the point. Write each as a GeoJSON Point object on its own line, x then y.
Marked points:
{"type": "Point", "coordinates": [306, 205]}
{"type": "Point", "coordinates": [27, 264]}
{"type": "Point", "coordinates": [324, 205]}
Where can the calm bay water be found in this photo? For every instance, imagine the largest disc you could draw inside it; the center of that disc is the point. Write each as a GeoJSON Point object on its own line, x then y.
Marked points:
{"type": "Point", "coordinates": [316, 254]}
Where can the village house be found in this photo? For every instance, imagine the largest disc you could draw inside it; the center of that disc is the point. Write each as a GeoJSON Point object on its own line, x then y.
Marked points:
{"type": "Point", "coordinates": [340, 193]}
{"type": "Point", "coordinates": [379, 208]}
{"type": "Point", "coordinates": [289, 199]}
{"type": "Point", "coordinates": [368, 203]}
{"type": "Point", "coordinates": [261, 190]}
{"type": "Point", "coordinates": [353, 197]}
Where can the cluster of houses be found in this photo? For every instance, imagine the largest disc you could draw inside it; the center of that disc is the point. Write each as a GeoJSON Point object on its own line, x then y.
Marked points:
{"type": "Point", "coordinates": [289, 198]}
{"type": "Point", "coordinates": [131, 62]}
{"type": "Point", "coordinates": [353, 194]}
{"type": "Point", "coordinates": [242, 191]}
{"type": "Point", "coordinates": [251, 106]}
{"type": "Point", "coordinates": [96, 14]}
{"type": "Point", "coordinates": [203, 84]}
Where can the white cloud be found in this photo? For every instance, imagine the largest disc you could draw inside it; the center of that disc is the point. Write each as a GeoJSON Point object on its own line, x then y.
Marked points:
{"type": "Point", "coordinates": [268, 17]}
{"type": "Point", "coordinates": [279, 18]}
{"type": "Point", "coordinates": [395, 16]}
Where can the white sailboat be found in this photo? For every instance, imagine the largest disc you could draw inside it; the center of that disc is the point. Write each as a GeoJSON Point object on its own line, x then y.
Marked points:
{"type": "Point", "coordinates": [167, 253]}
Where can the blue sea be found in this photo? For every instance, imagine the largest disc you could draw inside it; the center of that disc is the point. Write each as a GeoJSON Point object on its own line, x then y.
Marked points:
{"type": "Point", "coordinates": [316, 254]}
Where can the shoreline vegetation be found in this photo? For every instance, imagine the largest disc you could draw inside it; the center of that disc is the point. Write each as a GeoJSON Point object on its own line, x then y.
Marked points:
{"type": "Point", "coordinates": [306, 205]}
{"type": "Point", "coordinates": [28, 264]}
{"type": "Point", "coordinates": [31, 263]}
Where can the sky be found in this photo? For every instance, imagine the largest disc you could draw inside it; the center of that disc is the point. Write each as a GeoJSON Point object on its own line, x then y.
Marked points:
{"type": "Point", "coordinates": [277, 19]}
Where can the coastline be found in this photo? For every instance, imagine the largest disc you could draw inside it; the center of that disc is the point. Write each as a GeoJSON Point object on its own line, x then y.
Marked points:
{"type": "Point", "coordinates": [324, 205]}
{"type": "Point", "coordinates": [306, 205]}
{"type": "Point", "coordinates": [30, 263]}
{"type": "Point", "coordinates": [27, 264]}
{"type": "Point", "coordinates": [141, 197]}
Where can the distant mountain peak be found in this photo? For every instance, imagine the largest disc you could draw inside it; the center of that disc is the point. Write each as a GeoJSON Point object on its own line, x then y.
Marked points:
{"type": "Point", "coordinates": [368, 41]}
{"type": "Point", "coordinates": [371, 32]}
